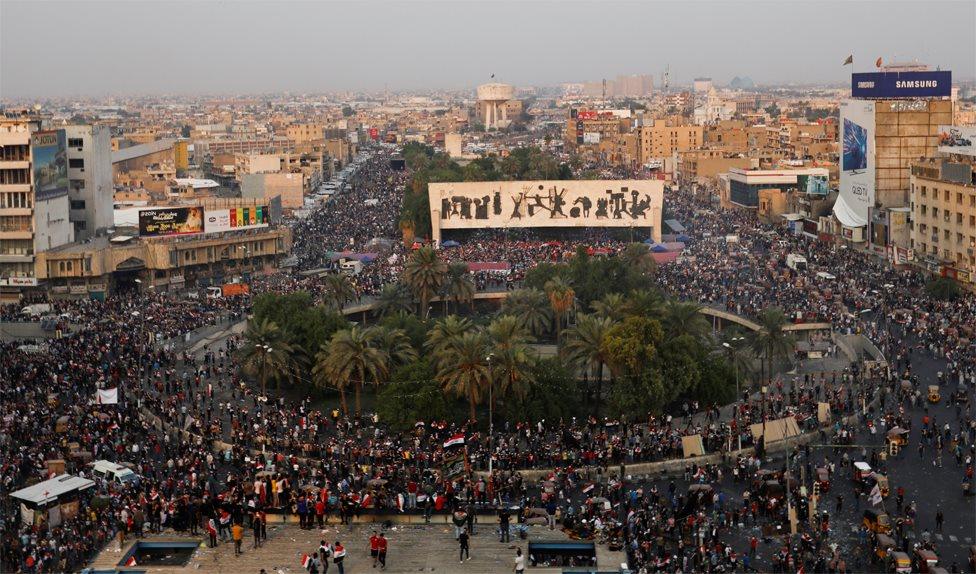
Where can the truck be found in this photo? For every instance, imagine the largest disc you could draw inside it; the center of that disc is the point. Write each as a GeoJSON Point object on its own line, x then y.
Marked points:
{"type": "Point", "coordinates": [796, 262]}
{"type": "Point", "coordinates": [228, 290]}
{"type": "Point", "coordinates": [36, 310]}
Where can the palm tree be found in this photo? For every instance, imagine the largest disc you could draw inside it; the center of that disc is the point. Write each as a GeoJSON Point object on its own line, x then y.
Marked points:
{"type": "Point", "coordinates": [638, 256]}
{"type": "Point", "coordinates": [464, 368]}
{"type": "Point", "coordinates": [458, 286]}
{"type": "Point", "coordinates": [351, 358]}
{"type": "Point", "coordinates": [395, 344]}
{"type": "Point", "coordinates": [612, 306]}
{"type": "Point", "coordinates": [584, 347]}
{"type": "Point", "coordinates": [511, 362]}
{"type": "Point", "coordinates": [444, 335]}
{"type": "Point", "coordinates": [424, 273]}
{"type": "Point", "coordinates": [645, 303]}
{"type": "Point", "coordinates": [531, 308]}
{"type": "Point", "coordinates": [770, 341]}
{"type": "Point", "coordinates": [393, 298]}
{"type": "Point", "coordinates": [266, 355]}
{"type": "Point", "coordinates": [683, 318]}
{"type": "Point", "coordinates": [324, 376]}
{"type": "Point", "coordinates": [561, 297]}
{"type": "Point", "coordinates": [741, 356]}
{"type": "Point", "coordinates": [338, 291]}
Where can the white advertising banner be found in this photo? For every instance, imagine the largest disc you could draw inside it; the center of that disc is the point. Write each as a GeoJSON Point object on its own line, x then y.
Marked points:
{"type": "Point", "coordinates": [957, 139]}
{"type": "Point", "coordinates": [857, 173]}
{"type": "Point", "coordinates": [553, 203]}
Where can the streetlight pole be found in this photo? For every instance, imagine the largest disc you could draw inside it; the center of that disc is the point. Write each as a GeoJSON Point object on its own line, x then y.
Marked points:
{"type": "Point", "coordinates": [491, 417]}
{"type": "Point", "coordinates": [738, 393]}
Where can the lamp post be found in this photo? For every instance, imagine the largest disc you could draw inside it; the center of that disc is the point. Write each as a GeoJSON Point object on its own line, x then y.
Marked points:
{"type": "Point", "coordinates": [491, 415]}
{"type": "Point", "coordinates": [738, 394]}
{"type": "Point", "coordinates": [264, 375]}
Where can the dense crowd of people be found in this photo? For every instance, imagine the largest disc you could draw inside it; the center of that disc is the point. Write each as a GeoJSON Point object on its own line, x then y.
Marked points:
{"type": "Point", "coordinates": [225, 457]}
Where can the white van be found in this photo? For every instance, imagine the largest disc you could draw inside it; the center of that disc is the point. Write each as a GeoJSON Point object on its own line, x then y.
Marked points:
{"type": "Point", "coordinates": [114, 473]}
{"type": "Point", "coordinates": [351, 267]}
{"type": "Point", "coordinates": [796, 262]}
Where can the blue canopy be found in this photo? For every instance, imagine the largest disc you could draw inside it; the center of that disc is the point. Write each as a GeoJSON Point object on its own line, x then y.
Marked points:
{"type": "Point", "coordinates": [649, 241]}
{"type": "Point", "coordinates": [658, 248]}
{"type": "Point", "coordinates": [450, 243]}
{"type": "Point", "coordinates": [683, 238]}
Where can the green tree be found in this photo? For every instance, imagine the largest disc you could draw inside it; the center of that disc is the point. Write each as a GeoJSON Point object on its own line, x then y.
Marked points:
{"type": "Point", "coordinates": [511, 361]}
{"type": "Point", "coordinates": [395, 345]}
{"type": "Point", "coordinates": [770, 342]}
{"type": "Point", "coordinates": [646, 303]}
{"type": "Point", "coordinates": [458, 286]}
{"type": "Point", "coordinates": [415, 329]}
{"type": "Point", "coordinates": [630, 346]}
{"type": "Point", "coordinates": [463, 369]}
{"type": "Point", "coordinates": [424, 274]}
{"type": "Point", "coordinates": [338, 291]}
{"type": "Point", "coordinates": [585, 347]}
{"type": "Point", "coordinates": [266, 355]}
{"type": "Point", "coordinates": [531, 308]}
{"type": "Point", "coordinates": [551, 397]}
{"type": "Point", "coordinates": [352, 359]}
{"type": "Point", "coordinates": [943, 288]}
{"type": "Point", "coordinates": [684, 318]}
{"type": "Point", "coordinates": [393, 298]}
{"type": "Point", "coordinates": [414, 395]}
{"type": "Point", "coordinates": [444, 335]}
{"type": "Point", "coordinates": [561, 299]}
{"type": "Point", "coordinates": [611, 306]}
{"type": "Point", "coordinates": [638, 256]}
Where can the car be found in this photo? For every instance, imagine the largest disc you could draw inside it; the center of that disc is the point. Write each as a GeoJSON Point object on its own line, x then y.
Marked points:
{"type": "Point", "coordinates": [115, 473]}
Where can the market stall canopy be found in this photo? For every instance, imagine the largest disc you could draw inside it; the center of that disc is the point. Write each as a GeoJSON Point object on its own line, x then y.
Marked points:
{"type": "Point", "coordinates": [675, 225]}
{"type": "Point", "coordinates": [450, 243]}
{"type": "Point", "coordinates": [775, 430]}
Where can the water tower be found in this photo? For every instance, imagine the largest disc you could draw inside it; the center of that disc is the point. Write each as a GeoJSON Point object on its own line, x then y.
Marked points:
{"type": "Point", "coordinates": [491, 104]}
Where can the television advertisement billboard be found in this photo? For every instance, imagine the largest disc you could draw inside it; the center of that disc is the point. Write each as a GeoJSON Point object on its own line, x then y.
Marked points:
{"type": "Point", "coordinates": [887, 85]}
{"type": "Point", "coordinates": [957, 139]}
{"type": "Point", "coordinates": [163, 222]}
{"type": "Point", "coordinates": [857, 174]}
{"type": "Point", "coordinates": [217, 220]}
{"type": "Point", "coordinates": [49, 155]}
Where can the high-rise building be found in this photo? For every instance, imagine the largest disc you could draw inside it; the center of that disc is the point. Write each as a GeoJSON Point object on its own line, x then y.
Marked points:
{"type": "Point", "coordinates": [33, 201]}
{"type": "Point", "coordinates": [90, 188]}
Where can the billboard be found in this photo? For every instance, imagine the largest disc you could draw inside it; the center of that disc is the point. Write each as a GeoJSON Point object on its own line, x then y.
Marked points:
{"type": "Point", "coordinates": [217, 220]}
{"type": "Point", "coordinates": [591, 137]}
{"type": "Point", "coordinates": [162, 222]}
{"type": "Point", "coordinates": [49, 155]}
{"type": "Point", "coordinates": [957, 139]}
{"type": "Point", "coordinates": [550, 203]}
{"type": "Point", "coordinates": [857, 177]}
{"type": "Point", "coordinates": [812, 184]}
{"type": "Point", "coordinates": [587, 114]}
{"type": "Point", "coordinates": [884, 85]}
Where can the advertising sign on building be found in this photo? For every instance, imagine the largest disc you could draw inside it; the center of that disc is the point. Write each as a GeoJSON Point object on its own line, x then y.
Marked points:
{"type": "Point", "coordinates": [591, 137]}
{"type": "Point", "coordinates": [812, 184]}
{"type": "Point", "coordinates": [553, 203]}
{"type": "Point", "coordinates": [957, 139]}
{"type": "Point", "coordinates": [374, 134]}
{"type": "Point", "coordinates": [587, 114]}
{"type": "Point", "coordinates": [162, 222]}
{"type": "Point", "coordinates": [884, 85]}
{"type": "Point", "coordinates": [217, 220]}
{"type": "Point", "coordinates": [857, 174]}
{"type": "Point", "coordinates": [49, 156]}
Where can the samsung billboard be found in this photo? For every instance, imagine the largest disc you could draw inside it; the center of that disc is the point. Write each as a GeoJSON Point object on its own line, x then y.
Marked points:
{"type": "Point", "coordinates": [885, 85]}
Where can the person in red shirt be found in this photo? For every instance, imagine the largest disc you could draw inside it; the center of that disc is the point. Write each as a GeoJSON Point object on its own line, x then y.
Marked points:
{"type": "Point", "coordinates": [384, 544]}
{"type": "Point", "coordinates": [320, 512]}
{"type": "Point", "coordinates": [374, 547]}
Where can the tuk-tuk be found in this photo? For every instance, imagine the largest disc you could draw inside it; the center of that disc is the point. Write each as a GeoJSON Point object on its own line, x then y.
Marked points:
{"type": "Point", "coordinates": [898, 436]}
{"type": "Point", "coordinates": [877, 522]}
{"type": "Point", "coordinates": [925, 560]}
{"type": "Point", "coordinates": [884, 546]}
{"type": "Point", "coordinates": [934, 394]}
{"type": "Point", "coordinates": [823, 479]}
{"type": "Point", "coordinates": [961, 396]}
{"type": "Point", "coordinates": [899, 562]}
{"type": "Point", "coordinates": [862, 471]}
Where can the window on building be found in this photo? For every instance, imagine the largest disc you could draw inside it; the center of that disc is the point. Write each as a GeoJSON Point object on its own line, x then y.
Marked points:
{"type": "Point", "coordinates": [77, 163]}
{"type": "Point", "coordinates": [77, 204]}
{"type": "Point", "coordinates": [959, 198]}
{"type": "Point", "coordinates": [923, 191]}
{"type": "Point", "coordinates": [174, 258]}
{"type": "Point", "coordinates": [76, 142]}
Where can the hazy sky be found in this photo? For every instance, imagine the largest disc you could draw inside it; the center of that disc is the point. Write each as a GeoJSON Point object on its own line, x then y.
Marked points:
{"type": "Point", "coordinates": [52, 48]}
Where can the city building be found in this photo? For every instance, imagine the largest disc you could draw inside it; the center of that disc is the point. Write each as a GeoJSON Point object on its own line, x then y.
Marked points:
{"type": "Point", "coordinates": [90, 185]}
{"type": "Point", "coordinates": [943, 215]}
{"type": "Point", "coordinates": [663, 138]}
{"type": "Point", "coordinates": [34, 204]}
{"type": "Point", "coordinates": [265, 186]}
{"type": "Point", "coordinates": [745, 185]}
{"type": "Point", "coordinates": [496, 106]}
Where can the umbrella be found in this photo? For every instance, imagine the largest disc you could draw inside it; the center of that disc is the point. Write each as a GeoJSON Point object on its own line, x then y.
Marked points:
{"type": "Point", "coordinates": [450, 243]}
{"type": "Point", "coordinates": [683, 238]}
{"type": "Point", "coordinates": [658, 248]}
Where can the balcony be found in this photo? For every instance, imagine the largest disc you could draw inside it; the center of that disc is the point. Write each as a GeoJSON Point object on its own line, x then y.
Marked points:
{"type": "Point", "coordinates": [18, 234]}
{"type": "Point", "coordinates": [16, 258]}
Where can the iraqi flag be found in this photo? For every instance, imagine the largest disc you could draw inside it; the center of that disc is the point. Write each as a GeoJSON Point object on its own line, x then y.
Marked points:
{"type": "Point", "coordinates": [131, 561]}
{"type": "Point", "coordinates": [366, 501]}
{"type": "Point", "coordinates": [588, 488]}
{"type": "Point", "coordinates": [306, 561]}
{"type": "Point", "coordinates": [456, 440]}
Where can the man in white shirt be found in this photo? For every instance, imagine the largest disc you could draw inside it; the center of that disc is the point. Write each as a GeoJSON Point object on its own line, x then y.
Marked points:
{"type": "Point", "coordinates": [519, 561]}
